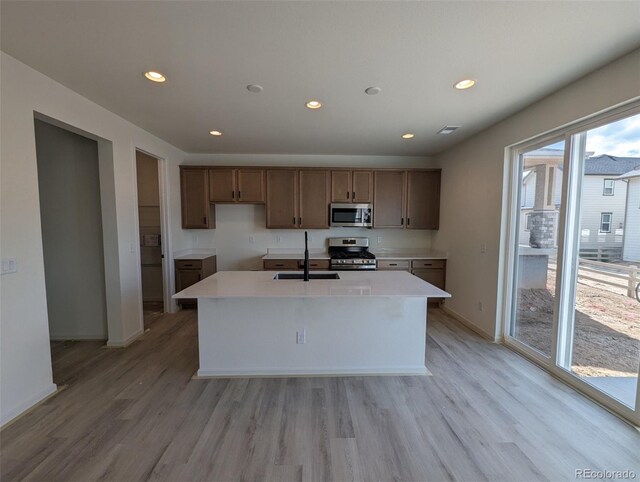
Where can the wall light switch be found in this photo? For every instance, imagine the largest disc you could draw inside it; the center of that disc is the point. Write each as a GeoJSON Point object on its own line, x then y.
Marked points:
{"type": "Point", "coordinates": [379, 239]}
{"type": "Point", "coordinates": [483, 248]}
{"type": "Point", "coordinates": [278, 239]}
{"type": "Point", "coordinates": [252, 239]}
{"type": "Point", "coordinates": [9, 265]}
{"type": "Point", "coordinates": [301, 337]}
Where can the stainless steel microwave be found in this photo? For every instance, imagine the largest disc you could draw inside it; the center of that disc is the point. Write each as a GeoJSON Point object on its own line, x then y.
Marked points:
{"type": "Point", "coordinates": [352, 215]}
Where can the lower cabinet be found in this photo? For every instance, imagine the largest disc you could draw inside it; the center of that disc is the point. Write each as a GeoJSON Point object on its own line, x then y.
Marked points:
{"type": "Point", "coordinates": [189, 272]}
{"type": "Point", "coordinates": [433, 271]}
{"type": "Point", "coordinates": [294, 264]}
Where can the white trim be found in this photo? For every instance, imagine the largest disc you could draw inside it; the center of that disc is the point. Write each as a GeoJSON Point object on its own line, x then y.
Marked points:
{"type": "Point", "coordinates": [73, 337]}
{"type": "Point", "coordinates": [469, 324]}
{"type": "Point", "coordinates": [28, 403]}
{"type": "Point", "coordinates": [126, 342]}
{"type": "Point", "coordinates": [325, 372]}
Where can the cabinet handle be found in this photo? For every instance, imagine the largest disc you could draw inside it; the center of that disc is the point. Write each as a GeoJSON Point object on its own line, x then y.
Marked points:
{"type": "Point", "coordinates": [239, 196]}
{"type": "Point", "coordinates": [402, 221]}
{"type": "Point", "coordinates": [408, 221]}
{"type": "Point", "coordinates": [233, 194]}
{"type": "Point", "coordinates": [353, 194]}
{"type": "Point", "coordinates": [205, 220]}
{"type": "Point", "coordinates": [347, 194]}
{"type": "Point", "coordinates": [188, 265]}
{"type": "Point", "coordinates": [299, 221]}
{"type": "Point", "coordinates": [294, 220]}
{"type": "Point", "coordinates": [393, 264]}
{"type": "Point", "coordinates": [279, 265]}
{"type": "Point", "coordinates": [199, 276]}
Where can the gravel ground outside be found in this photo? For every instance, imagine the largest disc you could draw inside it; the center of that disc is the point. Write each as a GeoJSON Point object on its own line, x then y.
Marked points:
{"type": "Point", "coordinates": [607, 327]}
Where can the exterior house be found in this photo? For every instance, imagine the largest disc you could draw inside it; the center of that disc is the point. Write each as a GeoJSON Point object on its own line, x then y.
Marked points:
{"type": "Point", "coordinates": [631, 242]}
{"type": "Point", "coordinates": [604, 200]}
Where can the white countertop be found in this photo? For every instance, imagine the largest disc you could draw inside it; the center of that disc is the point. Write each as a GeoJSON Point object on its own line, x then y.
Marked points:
{"type": "Point", "coordinates": [409, 254]}
{"type": "Point", "coordinates": [382, 254]}
{"type": "Point", "coordinates": [260, 284]}
{"type": "Point", "coordinates": [194, 256]}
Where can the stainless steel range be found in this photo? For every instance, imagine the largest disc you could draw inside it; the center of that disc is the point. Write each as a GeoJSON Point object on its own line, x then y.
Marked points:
{"type": "Point", "coordinates": [350, 253]}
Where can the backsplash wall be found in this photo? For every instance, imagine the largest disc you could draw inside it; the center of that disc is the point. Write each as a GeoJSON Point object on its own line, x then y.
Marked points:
{"type": "Point", "coordinates": [236, 224]}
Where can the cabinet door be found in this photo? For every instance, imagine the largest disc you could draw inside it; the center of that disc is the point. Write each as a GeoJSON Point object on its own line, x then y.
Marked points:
{"type": "Point", "coordinates": [314, 199]}
{"type": "Point", "coordinates": [389, 199]}
{"type": "Point", "coordinates": [222, 186]}
{"type": "Point", "coordinates": [340, 186]}
{"type": "Point", "coordinates": [423, 199]}
{"type": "Point", "coordinates": [250, 186]}
{"type": "Point", "coordinates": [362, 190]}
{"type": "Point", "coordinates": [282, 198]}
{"type": "Point", "coordinates": [434, 276]}
{"type": "Point", "coordinates": [196, 212]}
{"type": "Point", "coordinates": [186, 278]}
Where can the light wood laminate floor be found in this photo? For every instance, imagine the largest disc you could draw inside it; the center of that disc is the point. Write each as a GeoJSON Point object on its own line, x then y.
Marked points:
{"type": "Point", "coordinates": [136, 414]}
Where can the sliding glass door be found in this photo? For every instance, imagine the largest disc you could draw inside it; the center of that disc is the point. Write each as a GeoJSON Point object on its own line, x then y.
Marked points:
{"type": "Point", "coordinates": [575, 256]}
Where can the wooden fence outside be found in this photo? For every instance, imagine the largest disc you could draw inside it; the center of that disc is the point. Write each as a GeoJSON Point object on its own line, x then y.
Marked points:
{"type": "Point", "coordinates": [625, 277]}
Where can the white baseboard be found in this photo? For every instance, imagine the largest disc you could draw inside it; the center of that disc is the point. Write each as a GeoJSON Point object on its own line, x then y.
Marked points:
{"type": "Point", "coordinates": [31, 402]}
{"type": "Point", "coordinates": [70, 337]}
{"type": "Point", "coordinates": [126, 342]}
{"type": "Point", "coordinates": [328, 372]}
{"type": "Point", "coordinates": [469, 324]}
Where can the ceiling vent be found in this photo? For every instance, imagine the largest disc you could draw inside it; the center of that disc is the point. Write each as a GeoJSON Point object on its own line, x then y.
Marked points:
{"type": "Point", "coordinates": [447, 130]}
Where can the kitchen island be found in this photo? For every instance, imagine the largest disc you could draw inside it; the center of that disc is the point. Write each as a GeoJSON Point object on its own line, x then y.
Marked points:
{"type": "Point", "coordinates": [365, 323]}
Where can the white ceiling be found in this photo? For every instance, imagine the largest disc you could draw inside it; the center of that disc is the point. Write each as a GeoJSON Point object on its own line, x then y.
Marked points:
{"type": "Point", "coordinates": [331, 51]}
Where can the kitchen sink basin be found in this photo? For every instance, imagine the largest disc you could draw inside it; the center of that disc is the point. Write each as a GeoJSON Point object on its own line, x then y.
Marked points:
{"type": "Point", "coordinates": [300, 276]}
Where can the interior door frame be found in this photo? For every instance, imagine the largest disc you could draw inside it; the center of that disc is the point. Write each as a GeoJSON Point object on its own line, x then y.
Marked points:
{"type": "Point", "coordinates": [165, 244]}
{"type": "Point", "coordinates": [508, 251]}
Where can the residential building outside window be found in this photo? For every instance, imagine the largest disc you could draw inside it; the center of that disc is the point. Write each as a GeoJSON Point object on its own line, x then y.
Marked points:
{"type": "Point", "coordinates": [608, 187]}
{"type": "Point", "coordinates": [605, 222]}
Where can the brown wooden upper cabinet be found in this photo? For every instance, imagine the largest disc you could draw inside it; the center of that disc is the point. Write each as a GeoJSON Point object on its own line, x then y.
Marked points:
{"type": "Point", "coordinates": [282, 198]}
{"type": "Point", "coordinates": [196, 210]}
{"type": "Point", "coordinates": [351, 186]}
{"type": "Point", "coordinates": [297, 199]}
{"type": "Point", "coordinates": [236, 186]}
{"type": "Point", "coordinates": [389, 199]}
{"type": "Point", "coordinates": [423, 199]}
{"type": "Point", "coordinates": [407, 199]}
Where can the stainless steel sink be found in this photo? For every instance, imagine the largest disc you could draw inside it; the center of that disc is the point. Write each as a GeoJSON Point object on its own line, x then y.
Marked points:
{"type": "Point", "coordinates": [300, 276]}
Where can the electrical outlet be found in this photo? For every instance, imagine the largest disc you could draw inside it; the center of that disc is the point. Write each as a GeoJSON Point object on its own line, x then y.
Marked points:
{"type": "Point", "coordinates": [252, 239]}
{"type": "Point", "coordinates": [310, 239]}
{"type": "Point", "coordinates": [195, 239]}
{"type": "Point", "coordinates": [483, 248]}
{"type": "Point", "coordinates": [480, 306]}
{"type": "Point", "coordinates": [379, 239]}
{"type": "Point", "coordinates": [278, 239]}
{"type": "Point", "coordinates": [301, 337]}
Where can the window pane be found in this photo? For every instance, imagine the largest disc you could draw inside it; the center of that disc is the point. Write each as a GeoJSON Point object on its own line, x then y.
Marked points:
{"type": "Point", "coordinates": [540, 195]}
{"type": "Point", "coordinates": [604, 334]}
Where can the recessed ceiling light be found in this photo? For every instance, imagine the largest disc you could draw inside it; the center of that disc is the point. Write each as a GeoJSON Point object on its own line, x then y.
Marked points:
{"type": "Point", "coordinates": [215, 133]}
{"type": "Point", "coordinates": [465, 84]}
{"type": "Point", "coordinates": [447, 130]}
{"type": "Point", "coordinates": [372, 90]}
{"type": "Point", "coordinates": [314, 104]}
{"type": "Point", "coordinates": [155, 76]}
{"type": "Point", "coordinates": [408, 135]}
{"type": "Point", "coordinates": [255, 88]}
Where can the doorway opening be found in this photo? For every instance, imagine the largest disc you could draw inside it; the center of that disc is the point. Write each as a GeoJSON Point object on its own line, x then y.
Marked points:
{"type": "Point", "coordinates": [72, 238]}
{"type": "Point", "coordinates": [150, 232]}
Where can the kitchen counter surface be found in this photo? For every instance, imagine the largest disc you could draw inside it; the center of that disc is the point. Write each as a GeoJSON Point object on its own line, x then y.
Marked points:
{"type": "Point", "coordinates": [194, 255]}
{"type": "Point", "coordinates": [409, 254]}
{"type": "Point", "coordinates": [300, 255]}
{"type": "Point", "coordinates": [260, 284]}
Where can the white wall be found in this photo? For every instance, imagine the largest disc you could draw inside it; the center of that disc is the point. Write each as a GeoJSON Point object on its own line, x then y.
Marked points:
{"type": "Point", "coordinates": [631, 249]}
{"type": "Point", "coordinates": [25, 359]}
{"type": "Point", "coordinates": [472, 185]}
{"type": "Point", "coordinates": [235, 223]}
{"type": "Point", "coordinates": [69, 188]}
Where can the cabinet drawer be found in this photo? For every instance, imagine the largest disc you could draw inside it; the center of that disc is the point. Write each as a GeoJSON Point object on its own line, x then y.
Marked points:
{"type": "Point", "coordinates": [188, 264]}
{"type": "Point", "coordinates": [280, 264]}
{"type": "Point", "coordinates": [315, 264]}
{"type": "Point", "coordinates": [392, 264]}
{"type": "Point", "coordinates": [428, 263]}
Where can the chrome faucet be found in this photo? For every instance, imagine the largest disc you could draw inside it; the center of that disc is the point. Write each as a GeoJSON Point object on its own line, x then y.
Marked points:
{"type": "Point", "coordinates": [306, 256]}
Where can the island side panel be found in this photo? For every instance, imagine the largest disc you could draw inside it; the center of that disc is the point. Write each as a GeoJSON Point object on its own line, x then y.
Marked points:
{"type": "Point", "coordinates": [344, 335]}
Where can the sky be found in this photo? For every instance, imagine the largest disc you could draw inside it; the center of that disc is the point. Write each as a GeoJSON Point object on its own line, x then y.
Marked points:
{"type": "Point", "coordinates": [621, 138]}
